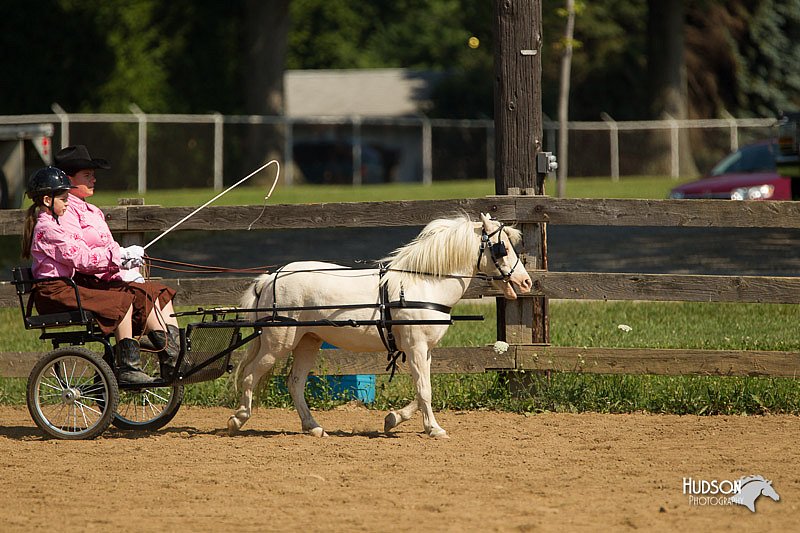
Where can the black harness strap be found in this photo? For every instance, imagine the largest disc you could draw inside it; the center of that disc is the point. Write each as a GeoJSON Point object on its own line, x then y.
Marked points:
{"type": "Point", "coordinates": [385, 327]}
{"type": "Point", "coordinates": [385, 321]}
{"type": "Point", "coordinates": [404, 304]}
{"type": "Point", "coordinates": [274, 294]}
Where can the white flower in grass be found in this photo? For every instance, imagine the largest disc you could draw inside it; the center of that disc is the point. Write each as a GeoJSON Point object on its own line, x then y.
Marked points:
{"type": "Point", "coordinates": [625, 327]}
{"type": "Point", "coordinates": [500, 347]}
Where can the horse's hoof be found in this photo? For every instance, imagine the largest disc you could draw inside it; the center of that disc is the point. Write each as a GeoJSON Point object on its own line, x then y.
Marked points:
{"type": "Point", "coordinates": [439, 434]}
{"type": "Point", "coordinates": [317, 432]}
{"type": "Point", "coordinates": [233, 425]}
{"type": "Point", "coordinates": [390, 422]}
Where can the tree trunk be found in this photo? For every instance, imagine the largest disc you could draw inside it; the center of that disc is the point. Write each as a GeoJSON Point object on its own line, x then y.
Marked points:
{"type": "Point", "coordinates": [266, 29]}
{"type": "Point", "coordinates": [563, 101]}
{"type": "Point", "coordinates": [666, 68]}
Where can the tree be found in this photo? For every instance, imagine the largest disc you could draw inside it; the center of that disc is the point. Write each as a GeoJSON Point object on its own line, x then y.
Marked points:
{"type": "Point", "coordinates": [563, 98]}
{"type": "Point", "coordinates": [186, 56]}
{"type": "Point", "coordinates": [417, 34]}
{"type": "Point", "coordinates": [666, 68]}
{"type": "Point", "coordinates": [35, 76]}
{"type": "Point", "coordinates": [608, 69]}
{"type": "Point", "coordinates": [266, 31]}
{"type": "Point", "coordinates": [743, 56]}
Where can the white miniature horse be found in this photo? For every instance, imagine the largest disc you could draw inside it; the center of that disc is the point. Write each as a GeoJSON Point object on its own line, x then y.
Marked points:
{"type": "Point", "coordinates": [436, 266]}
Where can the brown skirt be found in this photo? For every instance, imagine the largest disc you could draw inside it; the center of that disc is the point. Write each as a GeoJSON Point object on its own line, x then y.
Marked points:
{"type": "Point", "coordinates": [108, 307]}
{"type": "Point", "coordinates": [144, 296]}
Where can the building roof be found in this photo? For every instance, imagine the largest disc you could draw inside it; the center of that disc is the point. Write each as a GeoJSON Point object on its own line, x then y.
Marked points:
{"type": "Point", "coordinates": [365, 92]}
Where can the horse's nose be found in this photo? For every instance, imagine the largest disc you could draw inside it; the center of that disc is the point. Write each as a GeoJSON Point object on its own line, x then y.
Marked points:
{"type": "Point", "coordinates": [526, 284]}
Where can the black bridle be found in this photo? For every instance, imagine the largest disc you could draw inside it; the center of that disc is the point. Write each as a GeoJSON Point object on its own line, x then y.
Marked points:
{"type": "Point", "coordinates": [497, 251]}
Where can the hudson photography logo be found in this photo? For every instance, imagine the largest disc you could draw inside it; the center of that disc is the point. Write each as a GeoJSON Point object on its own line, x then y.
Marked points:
{"type": "Point", "coordinates": [743, 491]}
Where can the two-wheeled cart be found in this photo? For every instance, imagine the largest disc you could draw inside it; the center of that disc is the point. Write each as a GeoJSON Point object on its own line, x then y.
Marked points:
{"type": "Point", "coordinates": [73, 392]}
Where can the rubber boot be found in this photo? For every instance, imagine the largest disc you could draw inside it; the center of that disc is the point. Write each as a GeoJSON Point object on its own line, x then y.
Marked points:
{"type": "Point", "coordinates": [170, 344]}
{"type": "Point", "coordinates": [129, 364]}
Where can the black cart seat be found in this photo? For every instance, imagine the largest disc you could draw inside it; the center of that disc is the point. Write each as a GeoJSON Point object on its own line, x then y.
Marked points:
{"type": "Point", "coordinates": [25, 284]}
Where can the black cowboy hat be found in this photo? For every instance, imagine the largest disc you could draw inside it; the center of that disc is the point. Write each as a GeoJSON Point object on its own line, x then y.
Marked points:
{"type": "Point", "coordinates": [74, 158]}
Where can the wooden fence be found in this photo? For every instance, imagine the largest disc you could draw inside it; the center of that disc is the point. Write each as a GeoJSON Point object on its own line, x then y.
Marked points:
{"type": "Point", "coordinates": [553, 285]}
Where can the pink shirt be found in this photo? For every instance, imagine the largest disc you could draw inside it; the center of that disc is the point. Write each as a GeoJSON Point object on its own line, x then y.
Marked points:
{"type": "Point", "coordinates": [58, 250]}
{"type": "Point", "coordinates": [89, 223]}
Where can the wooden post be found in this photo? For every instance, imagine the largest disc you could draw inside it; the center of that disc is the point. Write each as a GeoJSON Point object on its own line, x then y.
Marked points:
{"type": "Point", "coordinates": [128, 239]}
{"type": "Point", "coordinates": [518, 138]}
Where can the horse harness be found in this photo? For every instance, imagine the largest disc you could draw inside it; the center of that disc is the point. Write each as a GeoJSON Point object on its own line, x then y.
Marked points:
{"type": "Point", "coordinates": [385, 321]}
{"type": "Point", "coordinates": [497, 251]}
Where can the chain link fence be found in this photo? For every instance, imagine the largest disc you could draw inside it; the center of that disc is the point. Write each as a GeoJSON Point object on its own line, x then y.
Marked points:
{"type": "Point", "coordinates": [157, 151]}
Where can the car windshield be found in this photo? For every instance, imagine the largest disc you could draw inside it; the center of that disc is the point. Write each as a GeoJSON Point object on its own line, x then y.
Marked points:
{"type": "Point", "coordinates": [753, 158]}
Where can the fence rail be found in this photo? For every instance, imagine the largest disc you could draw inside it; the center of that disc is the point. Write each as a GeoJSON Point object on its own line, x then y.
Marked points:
{"type": "Point", "coordinates": [558, 285]}
{"type": "Point", "coordinates": [518, 209]}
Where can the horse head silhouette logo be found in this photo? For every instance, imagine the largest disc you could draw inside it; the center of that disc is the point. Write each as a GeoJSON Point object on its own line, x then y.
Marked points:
{"type": "Point", "coordinates": [751, 488]}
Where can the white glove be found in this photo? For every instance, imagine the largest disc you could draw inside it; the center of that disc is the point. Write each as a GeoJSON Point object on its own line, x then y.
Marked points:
{"type": "Point", "coordinates": [132, 256]}
{"type": "Point", "coordinates": [131, 276]}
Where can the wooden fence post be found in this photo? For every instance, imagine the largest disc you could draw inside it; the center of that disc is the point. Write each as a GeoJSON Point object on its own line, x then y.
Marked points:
{"type": "Point", "coordinates": [518, 138]}
{"type": "Point", "coordinates": [129, 239]}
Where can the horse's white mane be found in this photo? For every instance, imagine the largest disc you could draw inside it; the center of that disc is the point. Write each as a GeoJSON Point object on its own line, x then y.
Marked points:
{"type": "Point", "coordinates": [445, 246]}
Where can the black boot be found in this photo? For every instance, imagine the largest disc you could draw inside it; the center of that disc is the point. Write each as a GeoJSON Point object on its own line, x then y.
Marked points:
{"type": "Point", "coordinates": [169, 343]}
{"type": "Point", "coordinates": [129, 364]}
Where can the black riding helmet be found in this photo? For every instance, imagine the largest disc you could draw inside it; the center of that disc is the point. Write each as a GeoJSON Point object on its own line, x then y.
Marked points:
{"type": "Point", "coordinates": [48, 181]}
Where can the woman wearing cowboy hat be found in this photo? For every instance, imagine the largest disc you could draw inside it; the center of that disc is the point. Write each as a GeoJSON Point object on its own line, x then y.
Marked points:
{"type": "Point", "coordinates": [152, 305]}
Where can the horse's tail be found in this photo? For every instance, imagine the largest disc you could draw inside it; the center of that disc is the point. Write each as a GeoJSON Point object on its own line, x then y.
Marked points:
{"type": "Point", "coordinates": [252, 294]}
{"type": "Point", "coordinates": [250, 300]}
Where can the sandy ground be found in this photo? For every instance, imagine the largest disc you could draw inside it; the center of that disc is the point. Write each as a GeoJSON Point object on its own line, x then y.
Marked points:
{"type": "Point", "coordinates": [499, 471]}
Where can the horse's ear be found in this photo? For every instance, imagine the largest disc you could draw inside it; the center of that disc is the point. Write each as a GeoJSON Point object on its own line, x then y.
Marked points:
{"type": "Point", "coordinates": [485, 218]}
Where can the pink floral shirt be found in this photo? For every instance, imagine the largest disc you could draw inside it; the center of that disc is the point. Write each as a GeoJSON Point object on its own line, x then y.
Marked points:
{"type": "Point", "coordinates": [58, 250]}
{"type": "Point", "coordinates": [88, 222]}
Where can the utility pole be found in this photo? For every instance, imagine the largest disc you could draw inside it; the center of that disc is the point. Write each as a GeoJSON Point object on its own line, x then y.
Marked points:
{"type": "Point", "coordinates": [518, 140]}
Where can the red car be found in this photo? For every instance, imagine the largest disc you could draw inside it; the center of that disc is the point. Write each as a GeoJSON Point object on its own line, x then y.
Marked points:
{"type": "Point", "coordinates": [747, 174]}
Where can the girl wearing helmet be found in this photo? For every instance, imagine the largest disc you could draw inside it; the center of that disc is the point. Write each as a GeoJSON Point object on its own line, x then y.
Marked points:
{"type": "Point", "coordinates": [56, 252]}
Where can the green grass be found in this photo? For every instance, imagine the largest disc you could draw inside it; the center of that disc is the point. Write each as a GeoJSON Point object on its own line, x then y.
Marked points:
{"type": "Point", "coordinates": [628, 187]}
{"type": "Point", "coordinates": [642, 187]}
{"type": "Point", "coordinates": [573, 323]}
{"type": "Point", "coordinates": [300, 194]}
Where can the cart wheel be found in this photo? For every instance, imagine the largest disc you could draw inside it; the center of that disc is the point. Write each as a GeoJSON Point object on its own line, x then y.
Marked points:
{"type": "Point", "coordinates": [149, 408]}
{"type": "Point", "coordinates": [72, 394]}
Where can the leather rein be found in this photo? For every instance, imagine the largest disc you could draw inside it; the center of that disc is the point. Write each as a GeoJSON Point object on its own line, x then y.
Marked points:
{"type": "Point", "coordinates": [497, 251]}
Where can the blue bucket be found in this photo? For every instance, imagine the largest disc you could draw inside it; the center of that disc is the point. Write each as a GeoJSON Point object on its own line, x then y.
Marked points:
{"type": "Point", "coordinates": [352, 387]}
{"type": "Point", "coordinates": [359, 387]}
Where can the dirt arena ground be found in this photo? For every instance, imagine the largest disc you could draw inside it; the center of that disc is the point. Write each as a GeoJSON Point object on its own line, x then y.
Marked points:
{"type": "Point", "coordinates": [499, 471]}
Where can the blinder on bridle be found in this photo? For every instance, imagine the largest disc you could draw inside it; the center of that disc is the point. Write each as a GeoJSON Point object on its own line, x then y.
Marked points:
{"type": "Point", "coordinates": [497, 251]}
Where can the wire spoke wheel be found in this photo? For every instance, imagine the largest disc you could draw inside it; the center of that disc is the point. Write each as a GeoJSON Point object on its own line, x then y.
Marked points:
{"type": "Point", "coordinates": [72, 394]}
{"type": "Point", "coordinates": [149, 408]}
